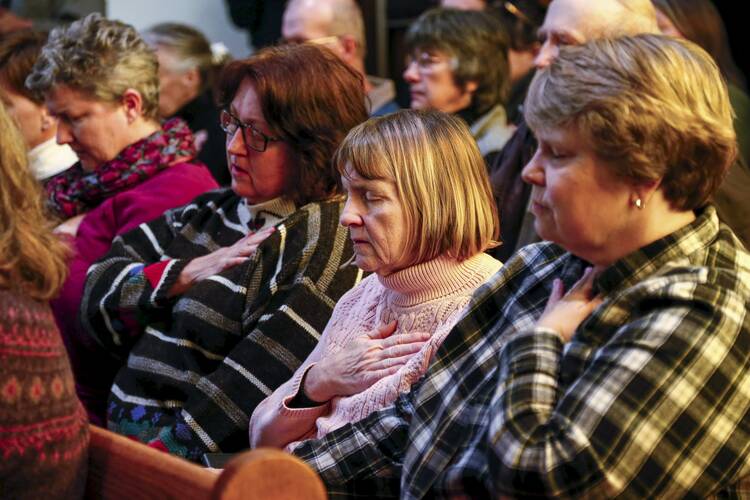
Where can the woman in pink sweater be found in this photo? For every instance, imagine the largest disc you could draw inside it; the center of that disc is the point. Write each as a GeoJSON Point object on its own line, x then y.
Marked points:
{"type": "Point", "coordinates": [420, 212]}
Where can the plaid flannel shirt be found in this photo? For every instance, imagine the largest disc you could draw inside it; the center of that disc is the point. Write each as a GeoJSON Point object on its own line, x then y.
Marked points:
{"type": "Point", "coordinates": [649, 399]}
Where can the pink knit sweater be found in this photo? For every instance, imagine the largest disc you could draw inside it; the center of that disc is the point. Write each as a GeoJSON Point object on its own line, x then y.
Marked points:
{"type": "Point", "coordinates": [429, 297]}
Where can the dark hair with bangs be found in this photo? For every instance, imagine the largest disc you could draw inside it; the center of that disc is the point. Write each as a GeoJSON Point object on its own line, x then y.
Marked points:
{"type": "Point", "coordinates": [479, 43]}
{"type": "Point", "coordinates": [310, 99]}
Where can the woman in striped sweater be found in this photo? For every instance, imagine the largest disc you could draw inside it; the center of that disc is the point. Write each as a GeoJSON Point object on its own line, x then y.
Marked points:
{"type": "Point", "coordinates": [215, 304]}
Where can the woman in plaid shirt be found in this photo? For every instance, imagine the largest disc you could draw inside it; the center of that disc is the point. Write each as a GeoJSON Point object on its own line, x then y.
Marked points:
{"type": "Point", "coordinates": [611, 361]}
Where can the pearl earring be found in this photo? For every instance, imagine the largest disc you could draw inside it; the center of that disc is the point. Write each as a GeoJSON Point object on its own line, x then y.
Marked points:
{"type": "Point", "coordinates": [638, 204]}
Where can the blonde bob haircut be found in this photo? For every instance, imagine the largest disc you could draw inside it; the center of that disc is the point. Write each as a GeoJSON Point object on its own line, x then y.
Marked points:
{"type": "Point", "coordinates": [440, 178]}
{"type": "Point", "coordinates": [654, 107]}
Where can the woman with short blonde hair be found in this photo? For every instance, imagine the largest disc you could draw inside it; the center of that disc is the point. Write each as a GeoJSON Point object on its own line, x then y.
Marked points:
{"type": "Point", "coordinates": [420, 213]}
{"type": "Point", "coordinates": [442, 218]}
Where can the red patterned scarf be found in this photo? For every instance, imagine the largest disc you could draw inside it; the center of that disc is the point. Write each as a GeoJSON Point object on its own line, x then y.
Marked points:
{"type": "Point", "coordinates": [76, 191]}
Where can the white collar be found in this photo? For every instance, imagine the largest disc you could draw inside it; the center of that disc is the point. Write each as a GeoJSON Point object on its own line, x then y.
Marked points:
{"type": "Point", "coordinates": [49, 158]}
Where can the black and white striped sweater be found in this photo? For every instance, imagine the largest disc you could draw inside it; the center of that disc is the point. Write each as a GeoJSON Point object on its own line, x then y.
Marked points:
{"type": "Point", "coordinates": [197, 365]}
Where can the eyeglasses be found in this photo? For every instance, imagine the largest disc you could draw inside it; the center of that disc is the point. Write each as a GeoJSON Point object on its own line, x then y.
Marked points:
{"type": "Point", "coordinates": [254, 138]}
{"type": "Point", "coordinates": [427, 62]}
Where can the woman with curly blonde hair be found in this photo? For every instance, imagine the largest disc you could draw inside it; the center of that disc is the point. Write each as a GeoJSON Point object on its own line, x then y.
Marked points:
{"type": "Point", "coordinates": [100, 81]}
{"type": "Point", "coordinates": [40, 417]}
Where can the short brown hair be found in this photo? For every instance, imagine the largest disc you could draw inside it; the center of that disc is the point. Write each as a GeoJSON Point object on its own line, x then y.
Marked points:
{"type": "Point", "coordinates": [18, 53]}
{"type": "Point", "coordinates": [479, 44]}
{"type": "Point", "coordinates": [99, 57]}
{"type": "Point", "coordinates": [440, 177]}
{"type": "Point", "coordinates": [653, 106]}
{"type": "Point", "coordinates": [310, 99]}
{"type": "Point", "coordinates": [32, 259]}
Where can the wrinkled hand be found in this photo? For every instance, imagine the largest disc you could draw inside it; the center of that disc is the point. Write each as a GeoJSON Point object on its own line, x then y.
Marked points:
{"type": "Point", "coordinates": [70, 226]}
{"type": "Point", "coordinates": [201, 268]}
{"type": "Point", "coordinates": [361, 363]}
{"type": "Point", "coordinates": [565, 311]}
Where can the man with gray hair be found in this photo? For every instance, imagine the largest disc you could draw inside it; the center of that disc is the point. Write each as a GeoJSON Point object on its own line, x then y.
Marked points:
{"type": "Point", "coordinates": [338, 25]}
{"type": "Point", "coordinates": [433, 441]}
{"type": "Point", "coordinates": [567, 22]}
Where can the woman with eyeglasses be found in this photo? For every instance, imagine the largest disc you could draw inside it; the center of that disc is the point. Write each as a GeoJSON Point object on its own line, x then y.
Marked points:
{"type": "Point", "coordinates": [459, 65]}
{"type": "Point", "coordinates": [99, 81]}
{"type": "Point", "coordinates": [215, 304]}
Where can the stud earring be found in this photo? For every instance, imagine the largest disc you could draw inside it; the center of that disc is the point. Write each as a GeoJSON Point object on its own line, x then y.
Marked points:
{"type": "Point", "coordinates": [638, 204]}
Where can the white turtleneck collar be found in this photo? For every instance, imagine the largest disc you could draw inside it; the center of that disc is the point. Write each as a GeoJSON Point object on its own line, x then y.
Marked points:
{"type": "Point", "coordinates": [49, 158]}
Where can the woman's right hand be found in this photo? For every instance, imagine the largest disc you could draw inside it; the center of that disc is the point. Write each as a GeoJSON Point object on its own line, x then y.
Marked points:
{"type": "Point", "coordinates": [201, 268]}
{"type": "Point", "coordinates": [361, 363]}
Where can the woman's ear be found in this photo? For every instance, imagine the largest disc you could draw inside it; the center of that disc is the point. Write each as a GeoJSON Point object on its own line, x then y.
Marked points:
{"type": "Point", "coordinates": [471, 86]}
{"type": "Point", "coordinates": [644, 191]}
{"type": "Point", "coordinates": [47, 122]}
{"type": "Point", "coordinates": [132, 103]}
{"type": "Point", "coordinates": [193, 78]}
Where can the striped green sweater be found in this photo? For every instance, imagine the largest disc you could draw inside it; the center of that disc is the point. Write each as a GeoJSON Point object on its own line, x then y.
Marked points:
{"type": "Point", "coordinates": [196, 366]}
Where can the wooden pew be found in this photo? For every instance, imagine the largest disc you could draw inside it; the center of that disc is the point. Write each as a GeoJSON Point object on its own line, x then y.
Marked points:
{"type": "Point", "coordinates": [120, 468]}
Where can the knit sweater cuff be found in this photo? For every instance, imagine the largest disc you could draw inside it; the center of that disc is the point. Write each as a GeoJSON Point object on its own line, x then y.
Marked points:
{"type": "Point", "coordinates": [161, 276]}
{"type": "Point", "coordinates": [296, 387]}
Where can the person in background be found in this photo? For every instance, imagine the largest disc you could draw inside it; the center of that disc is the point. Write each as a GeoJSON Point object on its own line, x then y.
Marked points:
{"type": "Point", "coordinates": [100, 82]}
{"type": "Point", "coordinates": [611, 360]}
{"type": "Point", "coordinates": [188, 68]}
{"type": "Point", "coordinates": [567, 22]}
{"type": "Point", "coordinates": [420, 212]}
{"type": "Point", "coordinates": [43, 427]}
{"type": "Point", "coordinates": [18, 53]}
{"type": "Point", "coordinates": [216, 304]}
{"type": "Point", "coordinates": [700, 22]}
{"type": "Point", "coordinates": [458, 64]}
{"type": "Point", "coordinates": [18, 15]}
{"type": "Point", "coordinates": [338, 25]}
{"type": "Point", "coordinates": [522, 19]}
{"type": "Point", "coordinates": [261, 18]}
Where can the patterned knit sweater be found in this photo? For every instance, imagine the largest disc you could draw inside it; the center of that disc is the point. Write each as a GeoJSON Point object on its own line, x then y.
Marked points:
{"type": "Point", "coordinates": [425, 298]}
{"type": "Point", "coordinates": [197, 365]}
{"type": "Point", "coordinates": [43, 427]}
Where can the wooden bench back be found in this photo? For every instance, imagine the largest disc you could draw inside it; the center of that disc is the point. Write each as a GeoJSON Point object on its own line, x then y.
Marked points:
{"type": "Point", "coordinates": [120, 468]}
